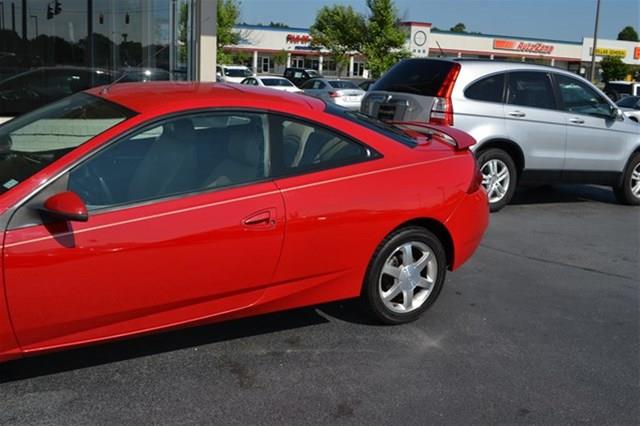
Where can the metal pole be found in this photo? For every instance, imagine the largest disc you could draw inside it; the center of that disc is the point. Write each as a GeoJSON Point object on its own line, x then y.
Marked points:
{"type": "Point", "coordinates": [13, 17]}
{"type": "Point", "coordinates": [595, 43]}
{"type": "Point", "coordinates": [35, 19]}
{"type": "Point", "coordinates": [2, 10]}
{"type": "Point", "coordinates": [24, 20]}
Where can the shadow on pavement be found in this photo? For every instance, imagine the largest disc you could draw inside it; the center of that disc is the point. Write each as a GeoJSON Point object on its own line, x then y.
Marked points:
{"type": "Point", "coordinates": [563, 194]}
{"type": "Point", "coordinates": [90, 356]}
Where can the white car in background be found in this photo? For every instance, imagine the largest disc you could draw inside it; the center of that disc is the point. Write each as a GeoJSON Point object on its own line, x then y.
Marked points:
{"type": "Point", "coordinates": [630, 105]}
{"type": "Point", "coordinates": [272, 82]}
{"type": "Point", "coordinates": [343, 93]}
{"type": "Point", "coordinates": [232, 73]}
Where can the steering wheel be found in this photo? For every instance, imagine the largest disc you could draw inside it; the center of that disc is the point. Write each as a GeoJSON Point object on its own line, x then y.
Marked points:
{"type": "Point", "coordinates": [90, 185]}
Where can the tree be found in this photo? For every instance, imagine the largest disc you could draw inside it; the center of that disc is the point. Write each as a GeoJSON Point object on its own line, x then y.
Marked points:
{"type": "Point", "coordinates": [280, 58]}
{"type": "Point", "coordinates": [384, 38]}
{"type": "Point", "coordinates": [628, 33]}
{"type": "Point", "coordinates": [339, 29]}
{"type": "Point", "coordinates": [228, 13]}
{"type": "Point", "coordinates": [613, 68]}
{"type": "Point", "coordinates": [458, 28]}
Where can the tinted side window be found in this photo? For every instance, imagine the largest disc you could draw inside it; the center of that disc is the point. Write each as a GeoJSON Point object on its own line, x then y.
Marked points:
{"type": "Point", "coordinates": [531, 89]}
{"type": "Point", "coordinates": [306, 147]}
{"type": "Point", "coordinates": [578, 97]}
{"type": "Point", "coordinates": [488, 89]}
{"type": "Point", "coordinates": [178, 155]}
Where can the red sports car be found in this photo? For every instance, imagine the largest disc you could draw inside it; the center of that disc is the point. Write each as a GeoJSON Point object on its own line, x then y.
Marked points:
{"type": "Point", "coordinates": [141, 207]}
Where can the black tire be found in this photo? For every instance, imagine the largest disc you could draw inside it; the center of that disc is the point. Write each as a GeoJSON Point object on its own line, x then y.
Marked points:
{"type": "Point", "coordinates": [371, 291]}
{"type": "Point", "coordinates": [624, 192]}
{"type": "Point", "coordinates": [484, 157]}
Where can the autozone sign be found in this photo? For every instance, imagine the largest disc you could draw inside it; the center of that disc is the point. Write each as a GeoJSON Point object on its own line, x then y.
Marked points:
{"type": "Point", "coordinates": [523, 46]}
{"type": "Point", "coordinates": [298, 38]}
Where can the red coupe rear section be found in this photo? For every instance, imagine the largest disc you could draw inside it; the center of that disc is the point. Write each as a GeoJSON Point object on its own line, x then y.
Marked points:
{"type": "Point", "coordinates": [303, 216]}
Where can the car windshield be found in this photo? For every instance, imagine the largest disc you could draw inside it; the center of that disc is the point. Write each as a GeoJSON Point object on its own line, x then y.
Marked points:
{"type": "Point", "coordinates": [341, 84]}
{"type": "Point", "coordinates": [237, 72]}
{"type": "Point", "coordinates": [629, 102]}
{"type": "Point", "coordinates": [313, 73]}
{"type": "Point", "coordinates": [33, 141]}
{"type": "Point", "coordinates": [276, 82]}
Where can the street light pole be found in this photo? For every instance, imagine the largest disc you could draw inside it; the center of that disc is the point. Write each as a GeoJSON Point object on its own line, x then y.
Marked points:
{"type": "Point", "coordinates": [35, 19]}
{"type": "Point", "coordinates": [595, 44]}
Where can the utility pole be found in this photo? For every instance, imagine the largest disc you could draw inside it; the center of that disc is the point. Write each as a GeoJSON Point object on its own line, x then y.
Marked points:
{"type": "Point", "coordinates": [595, 44]}
{"type": "Point", "coordinates": [13, 17]}
{"type": "Point", "coordinates": [24, 20]}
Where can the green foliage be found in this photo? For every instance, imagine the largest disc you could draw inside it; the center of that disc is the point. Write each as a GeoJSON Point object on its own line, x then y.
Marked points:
{"type": "Point", "coordinates": [340, 29]}
{"type": "Point", "coordinates": [384, 38]}
{"type": "Point", "coordinates": [458, 28]}
{"type": "Point", "coordinates": [613, 68]}
{"type": "Point", "coordinates": [280, 58]}
{"type": "Point", "coordinates": [628, 33]}
{"type": "Point", "coordinates": [228, 14]}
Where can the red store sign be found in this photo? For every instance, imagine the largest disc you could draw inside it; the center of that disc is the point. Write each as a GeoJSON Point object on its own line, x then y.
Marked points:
{"type": "Point", "coordinates": [298, 38]}
{"type": "Point", "coordinates": [522, 46]}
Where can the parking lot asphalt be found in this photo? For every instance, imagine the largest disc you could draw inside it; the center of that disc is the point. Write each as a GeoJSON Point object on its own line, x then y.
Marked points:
{"type": "Point", "coordinates": [541, 326]}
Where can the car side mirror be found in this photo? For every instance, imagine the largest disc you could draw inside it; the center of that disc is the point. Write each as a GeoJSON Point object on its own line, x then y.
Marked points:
{"type": "Point", "coordinates": [65, 206]}
{"type": "Point", "coordinates": [616, 113]}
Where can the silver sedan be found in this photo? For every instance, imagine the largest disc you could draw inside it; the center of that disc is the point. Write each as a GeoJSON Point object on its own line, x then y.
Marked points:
{"type": "Point", "coordinates": [343, 93]}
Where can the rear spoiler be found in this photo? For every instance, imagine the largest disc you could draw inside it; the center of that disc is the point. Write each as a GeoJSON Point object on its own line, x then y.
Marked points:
{"type": "Point", "coordinates": [457, 138]}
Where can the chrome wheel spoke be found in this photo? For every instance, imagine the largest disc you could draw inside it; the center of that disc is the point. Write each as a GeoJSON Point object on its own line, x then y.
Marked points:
{"type": "Point", "coordinates": [407, 254]}
{"type": "Point", "coordinates": [392, 292]}
{"type": "Point", "coordinates": [425, 283]}
{"type": "Point", "coordinates": [422, 262]}
{"type": "Point", "coordinates": [407, 299]}
{"type": "Point", "coordinates": [391, 270]}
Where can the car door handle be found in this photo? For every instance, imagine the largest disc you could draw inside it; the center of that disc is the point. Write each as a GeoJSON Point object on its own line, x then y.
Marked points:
{"type": "Point", "coordinates": [517, 114]}
{"type": "Point", "coordinates": [576, 120]}
{"type": "Point", "coordinates": [261, 219]}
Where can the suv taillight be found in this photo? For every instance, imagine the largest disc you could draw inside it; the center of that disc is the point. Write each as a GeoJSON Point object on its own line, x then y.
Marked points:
{"type": "Point", "coordinates": [442, 109]}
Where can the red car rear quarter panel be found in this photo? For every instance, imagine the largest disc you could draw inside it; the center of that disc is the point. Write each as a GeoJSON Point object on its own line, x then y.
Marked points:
{"type": "Point", "coordinates": [337, 218]}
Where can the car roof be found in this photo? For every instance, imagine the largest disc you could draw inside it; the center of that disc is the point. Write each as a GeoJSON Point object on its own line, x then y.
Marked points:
{"type": "Point", "coordinates": [166, 96]}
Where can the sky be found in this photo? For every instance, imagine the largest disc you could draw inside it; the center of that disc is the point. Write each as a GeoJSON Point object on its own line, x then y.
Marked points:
{"type": "Point", "coordinates": [568, 20]}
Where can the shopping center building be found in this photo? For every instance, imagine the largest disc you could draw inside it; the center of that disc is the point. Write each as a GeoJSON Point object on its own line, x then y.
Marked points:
{"type": "Point", "coordinates": [271, 49]}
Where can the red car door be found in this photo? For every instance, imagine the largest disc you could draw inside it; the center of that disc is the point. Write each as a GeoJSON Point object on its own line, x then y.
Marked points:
{"type": "Point", "coordinates": [136, 268]}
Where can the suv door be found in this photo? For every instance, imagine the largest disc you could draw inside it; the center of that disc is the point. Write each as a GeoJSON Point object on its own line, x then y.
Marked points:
{"type": "Point", "coordinates": [596, 139]}
{"type": "Point", "coordinates": [185, 223]}
{"type": "Point", "coordinates": [533, 121]}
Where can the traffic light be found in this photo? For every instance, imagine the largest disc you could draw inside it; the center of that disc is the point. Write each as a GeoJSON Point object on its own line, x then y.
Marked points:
{"type": "Point", "coordinates": [49, 11]}
{"type": "Point", "coordinates": [126, 19]}
{"type": "Point", "coordinates": [57, 8]}
{"type": "Point", "coordinates": [101, 19]}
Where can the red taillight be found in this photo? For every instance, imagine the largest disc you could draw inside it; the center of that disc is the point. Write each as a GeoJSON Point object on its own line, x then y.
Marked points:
{"type": "Point", "coordinates": [334, 94]}
{"type": "Point", "coordinates": [476, 180]}
{"type": "Point", "coordinates": [442, 109]}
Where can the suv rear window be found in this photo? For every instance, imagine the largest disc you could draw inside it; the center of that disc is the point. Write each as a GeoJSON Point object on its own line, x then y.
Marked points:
{"type": "Point", "coordinates": [489, 89]}
{"type": "Point", "coordinates": [417, 76]}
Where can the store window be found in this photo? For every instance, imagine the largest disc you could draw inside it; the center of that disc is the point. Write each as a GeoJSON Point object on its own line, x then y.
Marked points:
{"type": "Point", "coordinates": [102, 39]}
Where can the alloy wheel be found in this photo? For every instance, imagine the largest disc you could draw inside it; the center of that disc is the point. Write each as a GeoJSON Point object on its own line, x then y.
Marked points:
{"type": "Point", "coordinates": [408, 277]}
{"type": "Point", "coordinates": [635, 181]}
{"type": "Point", "coordinates": [495, 179]}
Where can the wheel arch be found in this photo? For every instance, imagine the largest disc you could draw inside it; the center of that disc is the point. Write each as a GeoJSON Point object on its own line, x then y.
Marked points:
{"type": "Point", "coordinates": [438, 229]}
{"type": "Point", "coordinates": [510, 147]}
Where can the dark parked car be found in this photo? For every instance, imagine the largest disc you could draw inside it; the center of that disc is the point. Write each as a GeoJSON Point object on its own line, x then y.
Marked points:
{"type": "Point", "coordinates": [299, 75]}
{"type": "Point", "coordinates": [366, 84]}
{"type": "Point", "coordinates": [617, 90]}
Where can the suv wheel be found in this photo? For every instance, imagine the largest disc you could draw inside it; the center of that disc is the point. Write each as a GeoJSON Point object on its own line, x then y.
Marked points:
{"type": "Point", "coordinates": [499, 177]}
{"type": "Point", "coordinates": [628, 192]}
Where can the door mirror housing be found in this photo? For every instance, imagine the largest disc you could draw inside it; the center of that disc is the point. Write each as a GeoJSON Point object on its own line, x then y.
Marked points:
{"type": "Point", "coordinates": [66, 206]}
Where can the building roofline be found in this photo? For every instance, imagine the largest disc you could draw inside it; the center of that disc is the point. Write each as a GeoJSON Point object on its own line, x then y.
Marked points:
{"type": "Point", "coordinates": [439, 31]}
{"type": "Point", "coordinates": [267, 27]}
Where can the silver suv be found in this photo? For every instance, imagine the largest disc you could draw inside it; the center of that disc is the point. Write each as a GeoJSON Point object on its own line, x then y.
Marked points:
{"type": "Point", "coordinates": [532, 123]}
